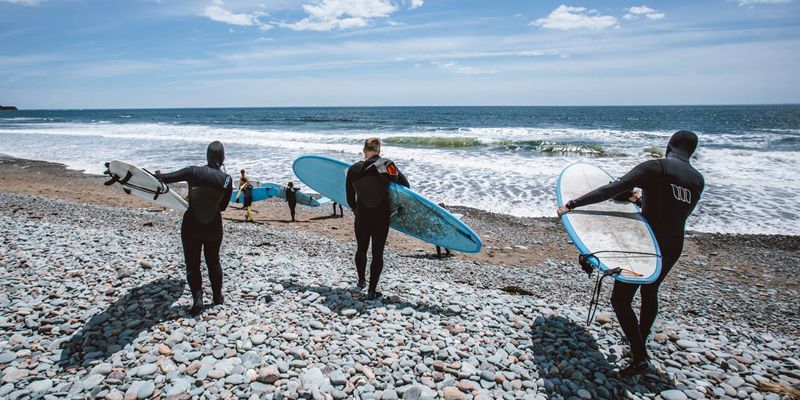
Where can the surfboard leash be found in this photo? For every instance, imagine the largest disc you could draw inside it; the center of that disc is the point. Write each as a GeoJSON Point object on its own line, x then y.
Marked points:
{"type": "Point", "coordinates": [583, 260]}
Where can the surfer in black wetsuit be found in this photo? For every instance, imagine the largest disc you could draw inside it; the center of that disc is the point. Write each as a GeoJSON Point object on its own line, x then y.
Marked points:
{"type": "Point", "coordinates": [246, 192]}
{"type": "Point", "coordinates": [341, 211]}
{"type": "Point", "coordinates": [209, 192]}
{"type": "Point", "coordinates": [367, 187]}
{"type": "Point", "coordinates": [291, 198]}
{"type": "Point", "coordinates": [671, 188]}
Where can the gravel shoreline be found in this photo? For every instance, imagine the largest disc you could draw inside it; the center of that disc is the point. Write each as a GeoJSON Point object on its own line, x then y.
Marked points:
{"type": "Point", "coordinates": [93, 304]}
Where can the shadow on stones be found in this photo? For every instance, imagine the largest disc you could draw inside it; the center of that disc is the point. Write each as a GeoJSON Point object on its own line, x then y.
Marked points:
{"type": "Point", "coordinates": [339, 299]}
{"type": "Point", "coordinates": [569, 360]}
{"type": "Point", "coordinates": [108, 332]}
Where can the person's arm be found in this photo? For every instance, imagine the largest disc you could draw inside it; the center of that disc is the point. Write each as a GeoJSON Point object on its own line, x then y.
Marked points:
{"type": "Point", "coordinates": [181, 175]}
{"type": "Point", "coordinates": [401, 179]}
{"type": "Point", "coordinates": [637, 177]}
{"type": "Point", "coordinates": [351, 193]}
{"type": "Point", "coordinates": [228, 193]}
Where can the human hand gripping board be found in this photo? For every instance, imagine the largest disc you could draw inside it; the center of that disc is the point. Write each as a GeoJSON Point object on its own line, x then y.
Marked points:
{"type": "Point", "coordinates": [143, 184]}
{"type": "Point", "coordinates": [412, 213]}
{"type": "Point", "coordinates": [612, 234]}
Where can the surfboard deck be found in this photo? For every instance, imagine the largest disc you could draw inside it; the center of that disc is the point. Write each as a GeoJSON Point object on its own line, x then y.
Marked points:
{"type": "Point", "coordinates": [302, 198]}
{"type": "Point", "coordinates": [611, 228]}
{"type": "Point", "coordinates": [143, 184]}
{"type": "Point", "coordinates": [412, 213]}
{"type": "Point", "coordinates": [259, 194]}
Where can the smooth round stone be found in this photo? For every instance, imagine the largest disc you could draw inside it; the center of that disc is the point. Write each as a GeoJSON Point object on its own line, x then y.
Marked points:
{"type": "Point", "coordinates": [92, 381]}
{"type": "Point", "coordinates": [40, 386]}
{"type": "Point", "coordinates": [337, 378]}
{"type": "Point", "coordinates": [452, 393]}
{"type": "Point", "coordinates": [584, 394]}
{"type": "Point", "coordinates": [146, 370]}
{"type": "Point", "coordinates": [685, 344]}
{"type": "Point", "coordinates": [146, 390]}
{"type": "Point", "coordinates": [7, 357]}
{"type": "Point", "coordinates": [102, 369]}
{"type": "Point", "coordinates": [349, 312]}
{"type": "Point", "coordinates": [735, 382]}
{"type": "Point", "coordinates": [673, 394]}
{"type": "Point", "coordinates": [258, 338]}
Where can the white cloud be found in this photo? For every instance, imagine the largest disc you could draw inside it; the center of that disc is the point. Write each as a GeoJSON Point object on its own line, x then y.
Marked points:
{"type": "Point", "coordinates": [328, 15]}
{"type": "Point", "coordinates": [634, 13]}
{"type": "Point", "coordinates": [754, 2]}
{"type": "Point", "coordinates": [415, 4]}
{"type": "Point", "coordinates": [460, 69]}
{"type": "Point", "coordinates": [24, 2]}
{"type": "Point", "coordinates": [566, 17]}
{"type": "Point", "coordinates": [216, 12]}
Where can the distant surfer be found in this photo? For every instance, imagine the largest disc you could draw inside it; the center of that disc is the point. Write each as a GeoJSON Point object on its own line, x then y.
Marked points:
{"type": "Point", "coordinates": [367, 187]}
{"type": "Point", "coordinates": [341, 211]}
{"type": "Point", "coordinates": [246, 192]}
{"type": "Point", "coordinates": [291, 198]}
{"type": "Point", "coordinates": [671, 188]}
{"type": "Point", "coordinates": [201, 231]}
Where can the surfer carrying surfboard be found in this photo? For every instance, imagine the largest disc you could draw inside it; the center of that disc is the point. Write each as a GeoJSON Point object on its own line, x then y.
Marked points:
{"type": "Point", "coordinates": [201, 231]}
{"type": "Point", "coordinates": [246, 191]}
{"type": "Point", "coordinates": [367, 187]}
{"type": "Point", "coordinates": [671, 188]}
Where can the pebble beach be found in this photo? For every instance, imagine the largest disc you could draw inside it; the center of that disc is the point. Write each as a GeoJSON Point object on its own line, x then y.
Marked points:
{"type": "Point", "coordinates": [93, 304]}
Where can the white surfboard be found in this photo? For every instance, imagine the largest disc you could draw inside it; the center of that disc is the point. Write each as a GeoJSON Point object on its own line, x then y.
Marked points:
{"type": "Point", "coordinates": [145, 185]}
{"type": "Point", "coordinates": [616, 233]}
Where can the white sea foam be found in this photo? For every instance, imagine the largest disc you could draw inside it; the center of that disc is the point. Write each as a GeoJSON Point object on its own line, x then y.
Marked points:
{"type": "Point", "coordinates": [750, 189]}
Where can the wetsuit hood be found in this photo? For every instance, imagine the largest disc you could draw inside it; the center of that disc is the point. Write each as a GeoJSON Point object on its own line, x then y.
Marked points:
{"type": "Point", "coordinates": [682, 145]}
{"type": "Point", "coordinates": [215, 154]}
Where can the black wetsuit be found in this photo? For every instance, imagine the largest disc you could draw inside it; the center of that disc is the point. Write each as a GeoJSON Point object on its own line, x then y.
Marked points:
{"type": "Point", "coordinates": [209, 192]}
{"type": "Point", "coordinates": [671, 188]}
{"type": "Point", "coordinates": [291, 198]}
{"type": "Point", "coordinates": [372, 216]}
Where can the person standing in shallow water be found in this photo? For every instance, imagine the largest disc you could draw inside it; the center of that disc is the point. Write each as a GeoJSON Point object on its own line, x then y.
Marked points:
{"type": "Point", "coordinates": [367, 187]}
{"type": "Point", "coordinates": [291, 198]}
{"type": "Point", "coordinates": [671, 188]}
{"type": "Point", "coordinates": [210, 190]}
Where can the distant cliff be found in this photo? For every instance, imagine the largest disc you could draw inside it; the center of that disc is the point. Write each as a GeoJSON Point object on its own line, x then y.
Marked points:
{"type": "Point", "coordinates": [8, 108]}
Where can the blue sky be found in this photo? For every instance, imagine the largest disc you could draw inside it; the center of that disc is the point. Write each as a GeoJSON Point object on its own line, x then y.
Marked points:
{"type": "Point", "coordinates": [233, 53]}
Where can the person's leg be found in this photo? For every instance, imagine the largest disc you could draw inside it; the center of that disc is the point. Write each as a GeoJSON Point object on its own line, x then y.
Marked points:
{"type": "Point", "coordinates": [341, 211]}
{"type": "Point", "coordinates": [362, 244]}
{"type": "Point", "coordinates": [248, 216]}
{"type": "Point", "coordinates": [334, 209]}
{"type": "Point", "coordinates": [621, 299]}
{"type": "Point", "coordinates": [649, 310]}
{"type": "Point", "coordinates": [379, 234]}
{"type": "Point", "coordinates": [291, 209]}
{"type": "Point", "coordinates": [211, 253]}
{"type": "Point", "coordinates": [191, 254]}
{"type": "Point", "coordinates": [438, 252]}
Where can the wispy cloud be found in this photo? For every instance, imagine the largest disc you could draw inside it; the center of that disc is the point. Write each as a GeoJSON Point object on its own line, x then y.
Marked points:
{"type": "Point", "coordinates": [24, 2]}
{"type": "Point", "coordinates": [755, 2]}
{"type": "Point", "coordinates": [644, 11]}
{"type": "Point", "coordinates": [217, 12]}
{"type": "Point", "coordinates": [565, 18]}
{"type": "Point", "coordinates": [461, 69]}
{"type": "Point", "coordinates": [415, 4]}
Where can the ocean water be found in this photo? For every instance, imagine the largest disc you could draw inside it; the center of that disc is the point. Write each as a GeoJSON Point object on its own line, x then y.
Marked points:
{"type": "Point", "coordinates": [501, 159]}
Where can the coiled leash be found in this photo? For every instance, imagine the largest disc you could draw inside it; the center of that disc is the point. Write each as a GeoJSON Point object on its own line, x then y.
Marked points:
{"type": "Point", "coordinates": [586, 266]}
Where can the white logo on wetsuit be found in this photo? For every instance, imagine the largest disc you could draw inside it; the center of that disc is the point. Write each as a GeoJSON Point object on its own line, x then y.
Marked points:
{"type": "Point", "coordinates": [681, 194]}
